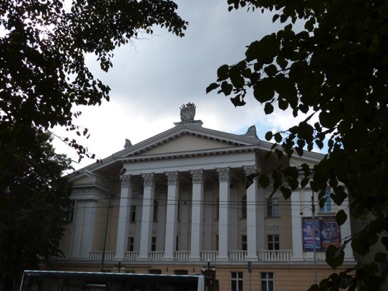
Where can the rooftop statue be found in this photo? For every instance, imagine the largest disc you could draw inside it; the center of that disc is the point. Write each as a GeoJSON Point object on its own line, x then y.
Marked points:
{"type": "Point", "coordinates": [187, 112]}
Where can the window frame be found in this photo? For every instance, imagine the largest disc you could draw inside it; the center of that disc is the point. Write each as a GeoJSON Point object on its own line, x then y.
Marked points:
{"type": "Point", "coordinates": [273, 242]}
{"type": "Point", "coordinates": [267, 281]}
{"type": "Point", "coordinates": [273, 207]}
{"type": "Point", "coordinates": [236, 281]}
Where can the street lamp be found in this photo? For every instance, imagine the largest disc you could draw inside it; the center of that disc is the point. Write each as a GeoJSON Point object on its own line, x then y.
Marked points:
{"type": "Point", "coordinates": [209, 271]}
{"type": "Point", "coordinates": [119, 267]}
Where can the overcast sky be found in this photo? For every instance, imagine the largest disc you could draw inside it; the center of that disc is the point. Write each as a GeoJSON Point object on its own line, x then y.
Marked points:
{"type": "Point", "coordinates": [152, 77]}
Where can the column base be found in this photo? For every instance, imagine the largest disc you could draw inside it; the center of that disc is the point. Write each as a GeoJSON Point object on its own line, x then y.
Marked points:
{"type": "Point", "coordinates": [251, 258]}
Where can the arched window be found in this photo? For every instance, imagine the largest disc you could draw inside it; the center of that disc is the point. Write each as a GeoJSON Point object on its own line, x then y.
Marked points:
{"type": "Point", "coordinates": [327, 207]}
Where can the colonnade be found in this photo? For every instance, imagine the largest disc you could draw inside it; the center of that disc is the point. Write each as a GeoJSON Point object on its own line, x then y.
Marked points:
{"type": "Point", "coordinates": [197, 208]}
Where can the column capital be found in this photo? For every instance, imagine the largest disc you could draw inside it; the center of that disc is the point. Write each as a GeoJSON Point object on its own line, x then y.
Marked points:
{"type": "Point", "coordinates": [224, 174]}
{"type": "Point", "coordinates": [197, 176]}
{"type": "Point", "coordinates": [249, 170]}
{"type": "Point", "coordinates": [172, 178]}
{"type": "Point", "coordinates": [125, 181]}
{"type": "Point", "coordinates": [149, 179]}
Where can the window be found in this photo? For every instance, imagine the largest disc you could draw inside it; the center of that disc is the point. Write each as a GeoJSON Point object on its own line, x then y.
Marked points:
{"type": "Point", "coordinates": [267, 283]}
{"type": "Point", "coordinates": [155, 211]}
{"type": "Point", "coordinates": [273, 207]}
{"type": "Point", "coordinates": [177, 243]}
{"type": "Point", "coordinates": [70, 212]}
{"type": "Point", "coordinates": [153, 244]}
{"type": "Point", "coordinates": [244, 243]}
{"type": "Point", "coordinates": [244, 207]}
{"type": "Point", "coordinates": [131, 243]}
{"type": "Point", "coordinates": [217, 242]}
{"type": "Point", "coordinates": [133, 213]}
{"type": "Point", "coordinates": [273, 242]}
{"type": "Point", "coordinates": [236, 281]}
{"type": "Point", "coordinates": [327, 207]}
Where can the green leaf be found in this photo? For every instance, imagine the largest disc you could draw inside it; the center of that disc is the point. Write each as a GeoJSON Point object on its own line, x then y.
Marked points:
{"type": "Point", "coordinates": [268, 108]}
{"type": "Point", "coordinates": [223, 72]}
{"type": "Point", "coordinates": [264, 90]}
{"type": "Point", "coordinates": [264, 181]}
{"type": "Point", "coordinates": [264, 50]}
{"type": "Point", "coordinates": [270, 70]}
{"type": "Point", "coordinates": [286, 192]}
{"type": "Point", "coordinates": [268, 135]}
{"type": "Point", "coordinates": [226, 88]}
{"type": "Point", "coordinates": [237, 101]}
{"type": "Point", "coordinates": [283, 104]}
{"type": "Point", "coordinates": [334, 257]}
{"type": "Point", "coordinates": [341, 217]}
{"type": "Point", "coordinates": [211, 87]}
{"type": "Point", "coordinates": [278, 137]}
{"type": "Point", "coordinates": [327, 120]}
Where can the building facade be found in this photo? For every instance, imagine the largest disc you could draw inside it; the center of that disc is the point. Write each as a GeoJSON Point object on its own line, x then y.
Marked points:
{"type": "Point", "coordinates": [178, 202]}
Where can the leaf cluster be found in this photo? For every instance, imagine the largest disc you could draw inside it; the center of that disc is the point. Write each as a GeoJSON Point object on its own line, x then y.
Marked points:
{"type": "Point", "coordinates": [34, 201]}
{"type": "Point", "coordinates": [43, 44]}
{"type": "Point", "coordinates": [329, 61]}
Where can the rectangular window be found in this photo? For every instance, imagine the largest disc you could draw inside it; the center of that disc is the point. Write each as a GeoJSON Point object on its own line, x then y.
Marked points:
{"type": "Point", "coordinates": [273, 242]}
{"type": "Point", "coordinates": [267, 282]}
{"type": "Point", "coordinates": [177, 243]}
{"type": "Point", "coordinates": [131, 243]}
{"type": "Point", "coordinates": [133, 213]}
{"type": "Point", "coordinates": [236, 281]}
{"type": "Point", "coordinates": [244, 243]}
{"type": "Point", "coordinates": [153, 244]}
{"type": "Point", "coordinates": [273, 207]}
{"type": "Point", "coordinates": [70, 212]}
{"type": "Point", "coordinates": [155, 215]}
{"type": "Point", "coordinates": [244, 207]}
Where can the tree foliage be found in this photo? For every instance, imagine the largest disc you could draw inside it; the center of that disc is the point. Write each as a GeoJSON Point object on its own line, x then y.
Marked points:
{"type": "Point", "coordinates": [329, 61]}
{"type": "Point", "coordinates": [43, 44]}
{"type": "Point", "coordinates": [34, 201]}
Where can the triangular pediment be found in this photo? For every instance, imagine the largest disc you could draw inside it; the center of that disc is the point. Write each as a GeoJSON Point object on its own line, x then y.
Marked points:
{"type": "Point", "coordinates": [187, 143]}
{"type": "Point", "coordinates": [181, 141]}
{"type": "Point", "coordinates": [189, 139]}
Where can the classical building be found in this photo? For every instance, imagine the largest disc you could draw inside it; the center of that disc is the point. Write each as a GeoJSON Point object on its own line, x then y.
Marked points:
{"type": "Point", "coordinates": [178, 202]}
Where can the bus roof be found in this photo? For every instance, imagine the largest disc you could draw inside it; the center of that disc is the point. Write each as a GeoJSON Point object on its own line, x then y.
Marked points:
{"type": "Point", "coordinates": [51, 272]}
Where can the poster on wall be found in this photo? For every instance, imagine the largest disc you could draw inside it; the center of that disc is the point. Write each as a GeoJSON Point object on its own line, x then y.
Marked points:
{"type": "Point", "coordinates": [327, 232]}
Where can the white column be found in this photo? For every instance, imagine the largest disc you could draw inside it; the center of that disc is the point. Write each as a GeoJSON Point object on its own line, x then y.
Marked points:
{"type": "Point", "coordinates": [88, 233]}
{"type": "Point", "coordinates": [296, 222]}
{"type": "Point", "coordinates": [172, 212]}
{"type": "Point", "coordinates": [196, 215]}
{"type": "Point", "coordinates": [85, 221]}
{"type": "Point", "coordinates": [146, 220]}
{"type": "Point", "coordinates": [78, 222]}
{"type": "Point", "coordinates": [223, 227]}
{"type": "Point", "coordinates": [251, 215]}
{"type": "Point", "coordinates": [346, 231]}
{"type": "Point", "coordinates": [123, 220]}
